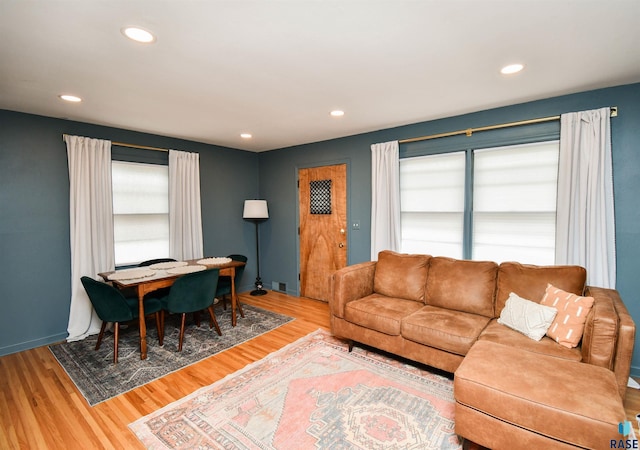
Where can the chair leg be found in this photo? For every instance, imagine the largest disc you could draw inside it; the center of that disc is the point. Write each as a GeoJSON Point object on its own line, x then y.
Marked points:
{"type": "Point", "coordinates": [196, 318]}
{"type": "Point", "coordinates": [184, 317]}
{"type": "Point", "coordinates": [240, 307]}
{"type": "Point", "coordinates": [159, 328]}
{"type": "Point", "coordinates": [214, 321]}
{"type": "Point", "coordinates": [162, 324]}
{"type": "Point", "coordinates": [116, 334]}
{"type": "Point", "coordinates": [100, 336]}
{"type": "Point", "coordinates": [224, 304]}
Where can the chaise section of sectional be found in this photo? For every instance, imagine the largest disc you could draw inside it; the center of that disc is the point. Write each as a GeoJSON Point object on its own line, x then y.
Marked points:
{"type": "Point", "coordinates": [604, 340]}
{"type": "Point", "coordinates": [507, 398]}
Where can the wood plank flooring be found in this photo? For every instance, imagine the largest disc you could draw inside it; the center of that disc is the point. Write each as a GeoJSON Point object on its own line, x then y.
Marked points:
{"type": "Point", "coordinates": [40, 407]}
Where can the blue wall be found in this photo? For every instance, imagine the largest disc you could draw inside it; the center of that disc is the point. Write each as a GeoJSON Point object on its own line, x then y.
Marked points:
{"type": "Point", "coordinates": [34, 205]}
{"type": "Point", "coordinates": [35, 259]}
{"type": "Point", "coordinates": [278, 171]}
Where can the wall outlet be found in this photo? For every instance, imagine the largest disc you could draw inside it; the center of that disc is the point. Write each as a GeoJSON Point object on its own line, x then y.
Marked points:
{"type": "Point", "coordinates": [355, 224]}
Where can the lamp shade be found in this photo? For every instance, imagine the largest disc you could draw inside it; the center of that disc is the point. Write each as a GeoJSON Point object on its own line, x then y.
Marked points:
{"type": "Point", "coordinates": [255, 209]}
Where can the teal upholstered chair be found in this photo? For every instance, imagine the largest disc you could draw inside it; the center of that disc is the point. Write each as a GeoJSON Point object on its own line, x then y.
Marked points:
{"type": "Point", "coordinates": [191, 293]}
{"type": "Point", "coordinates": [112, 306]}
{"type": "Point", "coordinates": [224, 284]}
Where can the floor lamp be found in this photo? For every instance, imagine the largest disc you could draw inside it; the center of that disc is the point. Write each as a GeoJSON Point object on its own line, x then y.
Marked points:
{"type": "Point", "coordinates": [256, 211]}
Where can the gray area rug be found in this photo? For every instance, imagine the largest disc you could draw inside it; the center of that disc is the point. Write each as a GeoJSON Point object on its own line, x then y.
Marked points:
{"type": "Point", "coordinates": [95, 375]}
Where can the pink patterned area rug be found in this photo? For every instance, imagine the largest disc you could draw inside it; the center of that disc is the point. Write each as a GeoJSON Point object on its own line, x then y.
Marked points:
{"type": "Point", "coordinates": [311, 394]}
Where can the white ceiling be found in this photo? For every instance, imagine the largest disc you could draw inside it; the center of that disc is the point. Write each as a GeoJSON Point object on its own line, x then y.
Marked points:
{"type": "Point", "coordinates": [277, 68]}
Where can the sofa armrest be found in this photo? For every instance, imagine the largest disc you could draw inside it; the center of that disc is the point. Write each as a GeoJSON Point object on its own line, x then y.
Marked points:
{"type": "Point", "coordinates": [351, 283]}
{"type": "Point", "coordinates": [600, 330]}
{"type": "Point", "coordinates": [626, 341]}
{"type": "Point", "coordinates": [620, 360]}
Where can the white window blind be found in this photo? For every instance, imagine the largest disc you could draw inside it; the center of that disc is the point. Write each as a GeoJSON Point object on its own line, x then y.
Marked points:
{"type": "Point", "coordinates": [432, 204]}
{"type": "Point", "coordinates": [512, 207]}
{"type": "Point", "coordinates": [140, 211]}
{"type": "Point", "coordinates": [514, 203]}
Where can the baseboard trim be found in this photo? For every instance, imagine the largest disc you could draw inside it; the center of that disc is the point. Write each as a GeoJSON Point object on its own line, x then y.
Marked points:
{"type": "Point", "coordinates": [28, 345]}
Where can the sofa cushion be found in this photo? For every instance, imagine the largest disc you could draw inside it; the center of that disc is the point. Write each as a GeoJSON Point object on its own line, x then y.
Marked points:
{"type": "Point", "coordinates": [380, 313]}
{"type": "Point", "coordinates": [568, 326]}
{"type": "Point", "coordinates": [529, 318]}
{"type": "Point", "coordinates": [500, 334]}
{"type": "Point", "coordinates": [529, 281]}
{"type": "Point", "coordinates": [462, 285]}
{"type": "Point", "coordinates": [401, 275]}
{"type": "Point", "coordinates": [444, 329]}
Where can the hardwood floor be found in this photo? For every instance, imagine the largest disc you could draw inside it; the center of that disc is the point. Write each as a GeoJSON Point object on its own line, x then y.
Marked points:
{"type": "Point", "coordinates": [40, 407]}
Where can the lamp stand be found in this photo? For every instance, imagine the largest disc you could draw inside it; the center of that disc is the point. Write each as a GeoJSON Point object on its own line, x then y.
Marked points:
{"type": "Point", "coordinates": [258, 290]}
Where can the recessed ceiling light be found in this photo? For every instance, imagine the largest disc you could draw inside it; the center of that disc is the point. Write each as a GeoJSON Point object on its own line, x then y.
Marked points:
{"type": "Point", "coordinates": [245, 135]}
{"type": "Point", "coordinates": [70, 98]}
{"type": "Point", "coordinates": [511, 69]}
{"type": "Point", "coordinates": [138, 35]}
{"type": "Point", "coordinates": [337, 113]}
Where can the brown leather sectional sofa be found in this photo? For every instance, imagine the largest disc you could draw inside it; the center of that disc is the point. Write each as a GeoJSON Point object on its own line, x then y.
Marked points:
{"type": "Point", "coordinates": [434, 310]}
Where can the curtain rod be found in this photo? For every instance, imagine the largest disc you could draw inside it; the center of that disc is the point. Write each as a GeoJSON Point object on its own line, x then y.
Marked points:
{"type": "Point", "coordinates": [470, 131]}
{"type": "Point", "coordinates": [143, 147]}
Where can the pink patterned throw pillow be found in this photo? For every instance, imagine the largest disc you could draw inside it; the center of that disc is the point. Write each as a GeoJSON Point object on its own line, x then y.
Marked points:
{"type": "Point", "coordinates": [568, 326]}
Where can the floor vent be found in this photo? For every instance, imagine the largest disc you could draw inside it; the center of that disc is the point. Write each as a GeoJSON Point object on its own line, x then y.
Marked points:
{"type": "Point", "coordinates": [278, 286]}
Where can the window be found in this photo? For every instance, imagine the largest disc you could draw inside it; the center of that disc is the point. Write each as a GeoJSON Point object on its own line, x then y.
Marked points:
{"type": "Point", "coordinates": [432, 204]}
{"type": "Point", "coordinates": [495, 204]}
{"type": "Point", "coordinates": [140, 211]}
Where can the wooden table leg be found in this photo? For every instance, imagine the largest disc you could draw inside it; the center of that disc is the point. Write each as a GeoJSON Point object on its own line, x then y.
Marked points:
{"type": "Point", "coordinates": [143, 325]}
{"type": "Point", "coordinates": [234, 318]}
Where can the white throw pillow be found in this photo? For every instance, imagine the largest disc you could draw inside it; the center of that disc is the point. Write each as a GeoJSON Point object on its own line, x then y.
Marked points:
{"type": "Point", "coordinates": [529, 318]}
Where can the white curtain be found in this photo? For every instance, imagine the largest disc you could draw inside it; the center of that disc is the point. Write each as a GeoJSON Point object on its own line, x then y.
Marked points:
{"type": "Point", "coordinates": [185, 217]}
{"type": "Point", "coordinates": [385, 198]}
{"type": "Point", "coordinates": [91, 226]}
{"type": "Point", "coordinates": [585, 212]}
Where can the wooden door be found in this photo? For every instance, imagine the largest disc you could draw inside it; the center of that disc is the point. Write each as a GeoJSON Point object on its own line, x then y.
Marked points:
{"type": "Point", "coordinates": [322, 193]}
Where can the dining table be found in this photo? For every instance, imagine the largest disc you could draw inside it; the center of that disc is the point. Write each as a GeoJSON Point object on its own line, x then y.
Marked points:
{"type": "Point", "coordinates": [164, 279]}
